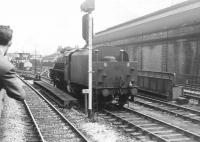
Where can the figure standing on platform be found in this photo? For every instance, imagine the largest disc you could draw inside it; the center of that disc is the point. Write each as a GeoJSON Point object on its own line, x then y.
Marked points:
{"type": "Point", "coordinates": [8, 79]}
{"type": "Point", "coordinates": [52, 77]}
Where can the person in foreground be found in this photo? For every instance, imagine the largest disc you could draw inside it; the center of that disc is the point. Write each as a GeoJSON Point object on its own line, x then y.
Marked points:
{"type": "Point", "coordinates": [8, 79]}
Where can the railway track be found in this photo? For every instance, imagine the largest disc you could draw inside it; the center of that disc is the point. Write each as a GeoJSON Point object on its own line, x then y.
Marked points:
{"type": "Point", "coordinates": [35, 134]}
{"type": "Point", "coordinates": [46, 78]}
{"type": "Point", "coordinates": [51, 124]}
{"type": "Point", "coordinates": [193, 87]}
{"type": "Point", "coordinates": [26, 128]}
{"type": "Point", "coordinates": [191, 91]}
{"type": "Point", "coordinates": [185, 113]}
{"type": "Point", "coordinates": [147, 128]}
{"type": "Point", "coordinates": [173, 133]}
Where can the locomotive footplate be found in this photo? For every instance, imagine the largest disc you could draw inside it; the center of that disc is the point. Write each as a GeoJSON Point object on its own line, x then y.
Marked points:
{"type": "Point", "coordinates": [61, 98]}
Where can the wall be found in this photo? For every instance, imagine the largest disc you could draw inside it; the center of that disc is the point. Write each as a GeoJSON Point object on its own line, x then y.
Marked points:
{"type": "Point", "coordinates": [175, 50]}
{"type": "Point", "coordinates": [152, 57]}
{"type": "Point", "coordinates": [180, 56]}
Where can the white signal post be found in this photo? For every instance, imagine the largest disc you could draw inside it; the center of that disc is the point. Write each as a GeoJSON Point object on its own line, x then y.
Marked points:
{"type": "Point", "coordinates": [90, 66]}
{"type": "Point", "coordinates": [88, 7]}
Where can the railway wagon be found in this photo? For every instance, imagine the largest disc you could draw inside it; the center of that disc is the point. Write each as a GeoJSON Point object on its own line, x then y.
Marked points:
{"type": "Point", "coordinates": [164, 41]}
{"type": "Point", "coordinates": [114, 76]}
{"type": "Point", "coordinates": [25, 65]}
{"type": "Point", "coordinates": [22, 61]}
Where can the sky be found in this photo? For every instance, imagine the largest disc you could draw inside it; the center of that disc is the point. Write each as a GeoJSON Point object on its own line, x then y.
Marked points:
{"type": "Point", "coordinates": [43, 25]}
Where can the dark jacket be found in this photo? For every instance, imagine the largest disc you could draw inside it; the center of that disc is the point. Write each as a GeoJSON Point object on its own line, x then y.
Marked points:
{"type": "Point", "coordinates": [9, 81]}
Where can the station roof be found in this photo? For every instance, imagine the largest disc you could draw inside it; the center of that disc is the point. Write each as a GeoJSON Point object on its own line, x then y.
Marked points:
{"type": "Point", "coordinates": [182, 14]}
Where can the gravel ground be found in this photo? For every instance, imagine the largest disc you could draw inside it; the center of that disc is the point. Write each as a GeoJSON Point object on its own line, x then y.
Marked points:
{"type": "Point", "coordinates": [193, 104]}
{"type": "Point", "coordinates": [99, 131]}
{"type": "Point", "coordinates": [1, 102]}
{"type": "Point", "coordinates": [11, 124]}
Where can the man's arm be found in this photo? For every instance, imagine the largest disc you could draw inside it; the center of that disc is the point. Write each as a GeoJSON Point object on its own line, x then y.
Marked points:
{"type": "Point", "coordinates": [13, 85]}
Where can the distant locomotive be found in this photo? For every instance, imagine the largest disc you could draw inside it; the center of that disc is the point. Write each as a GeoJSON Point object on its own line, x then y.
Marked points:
{"type": "Point", "coordinates": [114, 76]}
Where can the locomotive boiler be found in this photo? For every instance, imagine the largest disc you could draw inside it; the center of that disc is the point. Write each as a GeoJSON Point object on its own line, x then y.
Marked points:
{"type": "Point", "coordinates": [114, 76]}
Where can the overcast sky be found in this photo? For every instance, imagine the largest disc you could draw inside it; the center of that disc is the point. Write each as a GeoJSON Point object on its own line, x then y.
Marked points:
{"type": "Point", "coordinates": [45, 24]}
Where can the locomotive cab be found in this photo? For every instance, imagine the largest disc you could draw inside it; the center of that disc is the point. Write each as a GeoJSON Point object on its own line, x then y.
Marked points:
{"type": "Point", "coordinates": [57, 72]}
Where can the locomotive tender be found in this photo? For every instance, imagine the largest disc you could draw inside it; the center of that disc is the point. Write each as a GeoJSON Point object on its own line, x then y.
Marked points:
{"type": "Point", "coordinates": [114, 76]}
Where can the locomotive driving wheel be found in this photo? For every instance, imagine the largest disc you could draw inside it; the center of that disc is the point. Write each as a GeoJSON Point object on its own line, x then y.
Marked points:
{"type": "Point", "coordinates": [122, 100]}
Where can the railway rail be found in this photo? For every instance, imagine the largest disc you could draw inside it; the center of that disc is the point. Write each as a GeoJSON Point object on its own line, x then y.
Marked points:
{"type": "Point", "coordinates": [188, 114]}
{"type": "Point", "coordinates": [147, 128]}
{"type": "Point", "coordinates": [51, 123]}
{"type": "Point", "coordinates": [46, 78]}
{"type": "Point", "coordinates": [191, 92]}
{"type": "Point", "coordinates": [195, 87]}
{"type": "Point", "coordinates": [32, 75]}
{"type": "Point", "coordinates": [26, 129]}
{"type": "Point", "coordinates": [36, 135]}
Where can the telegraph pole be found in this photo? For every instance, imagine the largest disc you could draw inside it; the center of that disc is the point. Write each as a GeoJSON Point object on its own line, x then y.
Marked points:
{"type": "Point", "coordinates": [87, 33]}
{"type": "Point", "coordinates": [35, 62]}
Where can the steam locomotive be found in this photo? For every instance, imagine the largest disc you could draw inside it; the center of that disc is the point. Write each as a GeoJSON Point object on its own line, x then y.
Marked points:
{"type": "Point", "coordinates": [114, 76]}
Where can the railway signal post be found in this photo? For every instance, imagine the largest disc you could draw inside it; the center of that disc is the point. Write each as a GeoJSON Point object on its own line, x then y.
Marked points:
{"type": "Point", "coordinates": [87, 33]}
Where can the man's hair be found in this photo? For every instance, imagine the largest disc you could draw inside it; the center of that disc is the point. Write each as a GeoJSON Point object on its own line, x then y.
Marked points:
{"type": "Point", "coordinates": [5, 35]}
